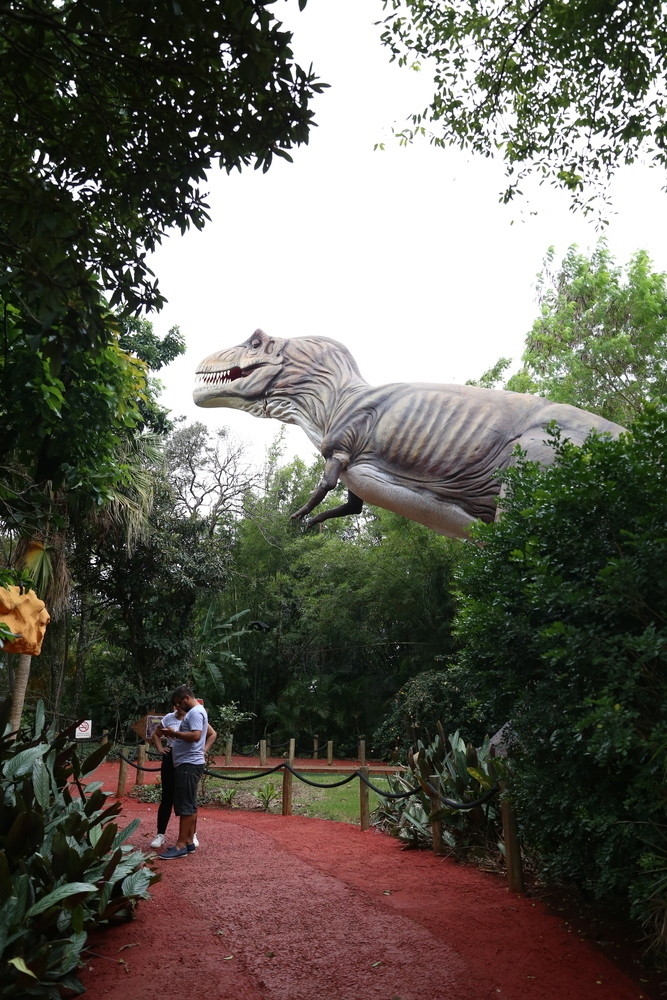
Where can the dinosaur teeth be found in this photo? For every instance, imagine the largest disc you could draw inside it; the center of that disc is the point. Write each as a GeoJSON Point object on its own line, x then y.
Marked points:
{"type": "Point", "coordinates": [217, 378]}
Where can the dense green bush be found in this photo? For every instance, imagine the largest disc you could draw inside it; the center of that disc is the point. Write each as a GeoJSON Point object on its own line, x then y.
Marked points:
{"type": "Point", "coordinates": [432, 696]}
{"type": "Point", "coordinates": [563, 629]}
{"type": "Point", "coordinates": [65, 867]}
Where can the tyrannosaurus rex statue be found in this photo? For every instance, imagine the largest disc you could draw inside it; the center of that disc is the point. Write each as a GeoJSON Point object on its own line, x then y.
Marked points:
{"type": "Point", "coordinates": [428, 452]}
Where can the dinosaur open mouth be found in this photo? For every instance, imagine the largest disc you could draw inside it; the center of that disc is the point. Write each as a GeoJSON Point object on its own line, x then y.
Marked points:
{"type": "Point", "coordinates": [228, 375]}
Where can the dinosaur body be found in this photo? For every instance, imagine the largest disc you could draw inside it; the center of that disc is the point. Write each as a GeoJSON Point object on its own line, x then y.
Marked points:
{"type": "Point", "coordinates": [428, 452]}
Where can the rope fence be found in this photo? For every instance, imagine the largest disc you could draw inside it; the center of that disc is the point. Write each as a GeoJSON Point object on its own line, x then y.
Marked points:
{"type": "Point", "coordinates": [358, 773]}
{"type": "Point", "coordinates": [428, 787]}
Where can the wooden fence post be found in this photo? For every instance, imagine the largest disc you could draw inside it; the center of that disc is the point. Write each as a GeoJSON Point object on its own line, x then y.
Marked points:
{"type": "Point", "coordinates": [262, 753]}
{"type": "Point", "coordinates": [228, 753]}
{"type": "Point", "coordinates": [515, 881]}
{"type": "Point", "coordinates": [329, 752]}
{"type": "Point", "coordinates": [292, 750]}
{"type": "Point", "coordinates": [141, 761]}
{"type": "Point", "coordinates": [436, 825]}
{"type": "Point", "coordinates": [105, 736]}
{"type": "Point", "coordinates": [122, 778]}
{"type": "Point", "coordinates": [287, 792]}
{"type": "Point", "coordinates": [362, 752]}
{"type": "Point", "coordinates": [364, 805]}
{"type": "Point", "coordinates": [316, 747]}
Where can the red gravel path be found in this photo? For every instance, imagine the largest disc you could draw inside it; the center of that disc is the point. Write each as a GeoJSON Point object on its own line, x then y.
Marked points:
{"type": "Point", "coordinates": [301, 909]}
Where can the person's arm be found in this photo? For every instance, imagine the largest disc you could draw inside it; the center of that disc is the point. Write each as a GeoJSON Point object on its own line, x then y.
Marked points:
{"type": "Point", "coordinates": [190, 736]}
{"type": "Point", "coordinates": [211, 737]}
{"type": "Point", "coordinates": [157, 742]}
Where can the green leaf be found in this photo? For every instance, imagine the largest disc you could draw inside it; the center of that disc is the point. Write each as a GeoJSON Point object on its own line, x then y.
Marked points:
{"type": "Point", "coordinates": [41, 783]}
{"type": "Point", "coordinates": [105, 896]}
{"type": "Point", "coordinates": [23, 761]}
{"type": "Point", "coordinates": [58, 895]}
{"type": "Point", "coordinates": [137, 883]}
{"type": "Point", "coordinates": [95, 758]}
{"type": "Point", "coordinates": [19, 964]}
{"type": "Point", "coordinates": [40, 718]}
{"type": "Point", "coordinates": [125, 834]}
{"type": "Point", "coordinates": [480, 776]}
{"type": "Point", "coordinates": [72, 983]}
{"type": "Point", "coordinates": [17, 840]}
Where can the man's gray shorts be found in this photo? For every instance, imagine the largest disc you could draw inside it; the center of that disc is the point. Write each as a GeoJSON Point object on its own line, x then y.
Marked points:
{"type": "Point", "coordinates": [186, 779]}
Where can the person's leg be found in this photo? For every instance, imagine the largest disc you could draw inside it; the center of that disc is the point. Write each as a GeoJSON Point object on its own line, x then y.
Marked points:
{"type": "Point", "coordinates": [186, 830]}
{"type": "Point", "coordinates": [188, 826]}
{"type": "Point", "coordinates": [185, 805]}
{"type": "Point", "coordinates": [194, 841]}
{"type": "Point", "coordinates": [167, 800]}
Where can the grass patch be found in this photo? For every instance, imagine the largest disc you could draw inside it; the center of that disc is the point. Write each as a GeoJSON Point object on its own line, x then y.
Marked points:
{"type": "Point", "coordinates": [338, 804]}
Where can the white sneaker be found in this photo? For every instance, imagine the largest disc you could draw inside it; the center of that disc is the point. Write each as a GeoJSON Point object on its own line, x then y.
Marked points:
{"type": "Point", "coordinates": [195, 840]}
{"type": "Point", "coordinates": [158, 841]}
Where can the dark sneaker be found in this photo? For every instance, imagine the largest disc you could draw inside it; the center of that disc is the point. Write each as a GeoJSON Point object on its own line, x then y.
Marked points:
{"type": "Point", "coordinates": [190, 848]}
{"type": "Point", "coordinates": [174, 852]}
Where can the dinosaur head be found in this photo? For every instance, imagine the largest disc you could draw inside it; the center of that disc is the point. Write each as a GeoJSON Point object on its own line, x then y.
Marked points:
{"type": "Point", "coordinates": [239, 376]}
{"type": "Point", "coordinates": [270, 376]}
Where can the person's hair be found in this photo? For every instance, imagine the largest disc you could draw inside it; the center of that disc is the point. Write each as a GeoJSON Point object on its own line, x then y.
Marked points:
{"type": "Point", "coordinates": [181, 692]}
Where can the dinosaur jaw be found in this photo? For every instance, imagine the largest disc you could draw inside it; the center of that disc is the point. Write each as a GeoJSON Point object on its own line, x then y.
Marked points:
{"type": "Point", "coordinates": [230, 383]}
{"type": "Point", "coordinates": [215, 386]}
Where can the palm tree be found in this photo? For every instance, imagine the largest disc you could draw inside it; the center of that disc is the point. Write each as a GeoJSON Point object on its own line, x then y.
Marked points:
{"type": "Point", "coordinates": [43, 553]}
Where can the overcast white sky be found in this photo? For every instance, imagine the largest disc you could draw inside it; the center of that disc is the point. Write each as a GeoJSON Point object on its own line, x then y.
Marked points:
{"type": "Point", "coordinates": [404, 254]}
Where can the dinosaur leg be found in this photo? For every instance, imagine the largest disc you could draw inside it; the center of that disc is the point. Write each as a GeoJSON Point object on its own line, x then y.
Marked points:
{"type": "Point", "coordinates": [329, 480]}
{"type": "Point", "coordinates": [420, 505]}
{"type": "Point", "coordinates": [353, 506]}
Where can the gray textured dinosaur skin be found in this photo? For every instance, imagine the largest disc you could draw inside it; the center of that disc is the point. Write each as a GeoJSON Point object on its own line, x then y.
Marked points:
{"type": "Point", "coordinates": [428, 452]}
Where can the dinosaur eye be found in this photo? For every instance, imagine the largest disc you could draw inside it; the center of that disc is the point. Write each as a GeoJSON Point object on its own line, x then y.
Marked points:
{"type": "Point", "coordinates": [256, 342]}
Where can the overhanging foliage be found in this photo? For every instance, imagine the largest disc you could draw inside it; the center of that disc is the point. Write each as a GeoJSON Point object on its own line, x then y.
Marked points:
{"type": "Point", "coordinates": [569, 91]}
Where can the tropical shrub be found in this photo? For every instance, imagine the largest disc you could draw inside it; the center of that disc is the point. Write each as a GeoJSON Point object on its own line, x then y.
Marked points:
{"type": "Point", "coordinates": [65, 867]}
{"type": "Point", "coordinates": [462, 774]}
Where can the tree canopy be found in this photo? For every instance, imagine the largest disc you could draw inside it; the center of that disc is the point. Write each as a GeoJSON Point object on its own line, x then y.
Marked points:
{"type": "Point", "coordinates": [111, 116]}
{"type": "Point", "coordinates": [600, 340]}
{"type": "Point", "coordinates": [569, 91]}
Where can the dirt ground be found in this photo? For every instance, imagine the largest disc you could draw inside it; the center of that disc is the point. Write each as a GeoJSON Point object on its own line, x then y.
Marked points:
{"type": "Point", "coordinates": [290, 908]}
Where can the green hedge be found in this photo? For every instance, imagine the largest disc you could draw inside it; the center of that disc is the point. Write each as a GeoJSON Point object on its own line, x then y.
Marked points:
{"type": "Point", "coordinates": [562, 626]}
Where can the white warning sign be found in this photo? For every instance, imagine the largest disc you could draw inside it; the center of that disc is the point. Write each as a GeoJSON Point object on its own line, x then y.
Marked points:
{"type": "Point", "coordinates": [84, 730]}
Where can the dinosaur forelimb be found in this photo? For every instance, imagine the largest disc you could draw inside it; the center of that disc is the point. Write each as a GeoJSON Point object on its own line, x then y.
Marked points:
{"type": "Point", "coordinates": [353, 506]}
{"type": "Point", "coordinates": [332, 470]}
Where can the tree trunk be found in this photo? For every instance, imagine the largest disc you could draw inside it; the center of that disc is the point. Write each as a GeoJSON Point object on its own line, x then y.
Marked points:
{"type": "Point", "coordinates": [18, 694]}
{"type": "Point", "coordinates": [62, 660]}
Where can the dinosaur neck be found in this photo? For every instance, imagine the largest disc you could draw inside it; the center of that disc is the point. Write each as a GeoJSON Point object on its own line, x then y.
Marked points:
{"type": "Point", "coordinates": [311, 404]}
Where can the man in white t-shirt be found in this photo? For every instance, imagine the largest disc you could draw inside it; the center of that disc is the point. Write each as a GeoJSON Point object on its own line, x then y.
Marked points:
{"type": "Point", "coordinates": [189, 760]}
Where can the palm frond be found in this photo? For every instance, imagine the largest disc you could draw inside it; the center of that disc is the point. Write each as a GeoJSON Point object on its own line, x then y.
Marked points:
{"type": "Point", "coordinates": [131, 504]}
